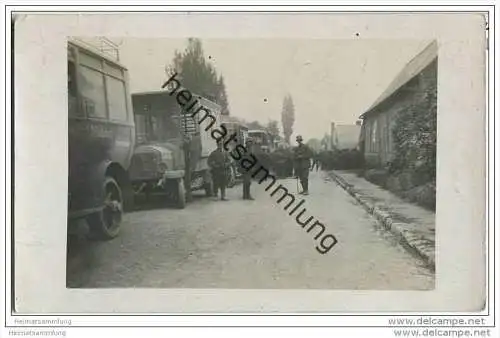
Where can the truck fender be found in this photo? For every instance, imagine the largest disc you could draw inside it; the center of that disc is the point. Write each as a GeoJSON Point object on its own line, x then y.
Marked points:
{"type": "Point", "coordinates": [115, 170]}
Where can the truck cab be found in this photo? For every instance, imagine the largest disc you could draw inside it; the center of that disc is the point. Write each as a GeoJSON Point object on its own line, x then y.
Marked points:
{"type": "Point", "coordinates": [165, 134]}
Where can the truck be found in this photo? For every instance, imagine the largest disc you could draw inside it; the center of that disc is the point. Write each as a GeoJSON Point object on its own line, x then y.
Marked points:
{"type": "Point", "coordinates": [263, 138]}
{"type": "Point", "coordinates": [241, 130]}
{"type": "Point", "coordinates": [169, 141]}
{"type": "Point", "coordinates": [101, 139]}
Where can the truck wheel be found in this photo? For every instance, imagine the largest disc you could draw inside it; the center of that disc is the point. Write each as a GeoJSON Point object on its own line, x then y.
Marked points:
{"type": "Point", "coordinates": [180, 194]}
{"type": "Point", "coordinates": [105, 225]}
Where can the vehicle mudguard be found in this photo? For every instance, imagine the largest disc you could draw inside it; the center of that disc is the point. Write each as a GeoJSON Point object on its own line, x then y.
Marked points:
{"type": "Point", "coordinates": [96, 180]}
{"type": "Point", "coordinates": [114, 169]}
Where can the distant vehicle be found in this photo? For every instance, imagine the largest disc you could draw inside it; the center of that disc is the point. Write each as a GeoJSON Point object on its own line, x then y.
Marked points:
{"type": "Point", "coordinates": [163, 132]}
{"type": "Point", "coordinates": [242, 136]}
{"type": "Point", "coordinates": [263, 139]}
{"type": "Point", "coordinates": [100, 140]}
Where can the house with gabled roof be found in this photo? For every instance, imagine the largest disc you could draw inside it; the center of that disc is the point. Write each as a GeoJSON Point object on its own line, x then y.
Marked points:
{"type": "Point", "coordinates": [376, 137]}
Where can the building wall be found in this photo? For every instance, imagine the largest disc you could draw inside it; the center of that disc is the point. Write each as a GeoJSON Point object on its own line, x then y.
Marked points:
{"type": "Point", "coordinates": [379, 142]}
{"type": "Point", "coordinates": [346, 136]}
{"type": "Point", "coordinates": [332, 135]}
{"type": "Point", "coordinates": [379, 123]}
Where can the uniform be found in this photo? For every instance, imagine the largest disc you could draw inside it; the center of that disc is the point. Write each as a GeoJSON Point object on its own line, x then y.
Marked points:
{"type": "Point", "coordinates": [247, 176]}
{"type": "Point", "coordinates": [315, 162]}
{"type": "Point", "coordinates": [302, 158]}
{"type": "Point", "coordinates": [219, 162]}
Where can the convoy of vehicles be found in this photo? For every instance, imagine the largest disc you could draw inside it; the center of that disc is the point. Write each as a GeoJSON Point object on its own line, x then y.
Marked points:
{"type": "Point", "coordinates": [166, 135]}
{"type": "Point", "coordinates": [122, 146]}
{"type": "Point", "coordinates": [236, 127]}
{"type": "Point", "coordinates": [101, 140]}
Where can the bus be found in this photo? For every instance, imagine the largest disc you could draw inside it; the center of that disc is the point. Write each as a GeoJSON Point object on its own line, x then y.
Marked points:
{"type": "Point", "coordinates": [101, 139]}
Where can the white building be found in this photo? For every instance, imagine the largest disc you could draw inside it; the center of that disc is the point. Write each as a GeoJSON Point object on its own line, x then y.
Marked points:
{"type": "Point", "coordinates": [345, 136]}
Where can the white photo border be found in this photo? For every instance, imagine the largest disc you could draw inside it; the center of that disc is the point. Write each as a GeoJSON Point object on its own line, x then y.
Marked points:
{"type": "Point", "coordinates": [282, 319]}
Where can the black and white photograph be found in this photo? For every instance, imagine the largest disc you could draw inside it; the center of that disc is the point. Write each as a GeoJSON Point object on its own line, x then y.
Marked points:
{"type": "Point", "coordinates": [318, 164]}
{"type": "Point", "coordinates": [251, 163]}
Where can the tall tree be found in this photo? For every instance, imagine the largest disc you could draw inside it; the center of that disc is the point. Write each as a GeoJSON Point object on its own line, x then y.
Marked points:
{"type": "Point", "coordinates": [198, 75]}
{"type": "Point", "coordinates": [287, 117]}
{"type": "Point", "coordinates": [221, 96]}
{"type": "Point", "coordinates": [194, 72]}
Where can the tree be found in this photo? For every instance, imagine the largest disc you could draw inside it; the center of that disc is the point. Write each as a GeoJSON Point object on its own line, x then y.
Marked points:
{"type": "Point", "coordinates": [287, 117]}
{"type": "Point", "coordinates": [255, 125]}
{"type": "Point", "coordinates": [314, 144]}
{"type": "Point", "coordinates": [272, 128]}
{"type": "Point", "coordinates": [325, 142]}
{"type": "Point", "coordinates": [222, 97]}
{"type": "Point", "coordinates": [198, 75]}
{"type": "Point", "coordinates": [415, 133]}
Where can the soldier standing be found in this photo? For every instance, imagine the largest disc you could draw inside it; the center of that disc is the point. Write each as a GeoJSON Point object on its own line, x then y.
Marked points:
{"type": "Point", "coordinates": [219, 162]}
{"type": "Point", "coordinates": [302, 159]}
{"type": "Point", "coordinates": [247, 176]}
{"type": "Point", "coordinates": [315, 163]}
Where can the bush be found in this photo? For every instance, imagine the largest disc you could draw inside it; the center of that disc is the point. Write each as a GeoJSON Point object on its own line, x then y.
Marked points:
{"type": "Point", "coordinates": [377, 176]}
{"type": "Point", "coordinates": [415, 139]}
{"type": "Point", "coordinates": [404, 185]}
{"type": "Point", "coordinates": [424, 195]}
{"type": "Point", "coordinates": [346, 159]}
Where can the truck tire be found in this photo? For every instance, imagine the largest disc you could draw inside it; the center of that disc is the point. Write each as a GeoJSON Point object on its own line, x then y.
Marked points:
{"type": "Point", "coordinates": [180, 194]}
{"type": "Point", "coordinates": [105, 224]}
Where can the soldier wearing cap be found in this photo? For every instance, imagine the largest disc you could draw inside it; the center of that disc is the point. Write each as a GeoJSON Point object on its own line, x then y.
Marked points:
{"type": "Point", "coordinates": [219, 162]}
{"type": "Point", "coordinates": [302, 158]}
{"type": "Point", "coordinates": [247, 176]}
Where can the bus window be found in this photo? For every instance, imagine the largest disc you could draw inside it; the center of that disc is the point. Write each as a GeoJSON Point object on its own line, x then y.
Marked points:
{"type": "Point", "coordinates": [72, 92]}
{"type": "Point", "coordinates": [90, 61]}
{"type": "Point", "coordinates": [112, 70]}
{"type": "Point", "coordinates": [117, 99]}
{"type": "Point", "coordinates": [155, 128]}
{"type": "Point", "coordinates": [91, 87]}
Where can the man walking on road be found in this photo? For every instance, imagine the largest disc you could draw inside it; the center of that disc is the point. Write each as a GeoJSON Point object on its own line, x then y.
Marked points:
{"type": "Point", "coordinates": [302, 158]}
{"type": "Point", "coordinates": [315, 161]}
{"type": "Point", "coordinates": [247, 176]}
{"type": "Point", "coordinates": [219, 162]}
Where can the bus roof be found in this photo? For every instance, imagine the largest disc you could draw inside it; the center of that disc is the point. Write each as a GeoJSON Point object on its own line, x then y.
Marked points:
{"type": "Point", "coordinates": [164, 92]}
{"type": "Point", "coordinates": [95, 51]}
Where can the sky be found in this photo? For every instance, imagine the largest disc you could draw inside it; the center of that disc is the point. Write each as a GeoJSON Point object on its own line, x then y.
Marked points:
{"type": "Point", "coordinates": [329, 80]}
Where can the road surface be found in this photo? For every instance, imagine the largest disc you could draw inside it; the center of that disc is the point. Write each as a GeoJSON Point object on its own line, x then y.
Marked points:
{"type": "Point", "coordinates": [252, 244]}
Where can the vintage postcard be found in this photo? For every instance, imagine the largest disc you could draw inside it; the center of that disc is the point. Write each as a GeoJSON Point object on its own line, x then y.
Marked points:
{"type": "Point", "coordinates": [241, 156]}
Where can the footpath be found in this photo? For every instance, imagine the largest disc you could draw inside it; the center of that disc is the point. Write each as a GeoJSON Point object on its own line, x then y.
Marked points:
{"type": "Point", "coordinates": [413, 225]}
